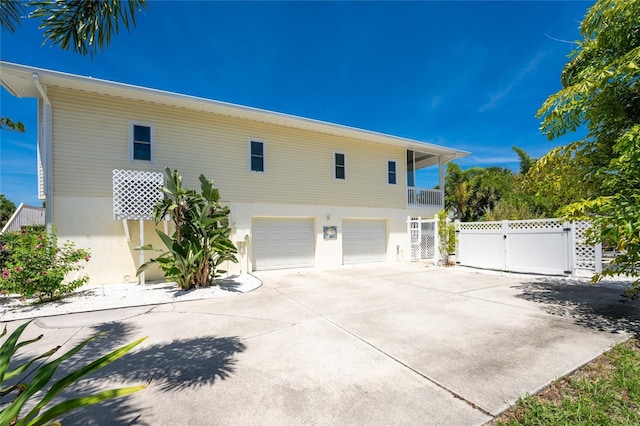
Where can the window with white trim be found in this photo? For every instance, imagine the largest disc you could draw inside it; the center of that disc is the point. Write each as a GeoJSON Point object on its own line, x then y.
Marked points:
{"type": "Point", "coordinates": [141, 141]}
{"type": "Point", "coordinates": [392, 172]}
{"type": "Point", "coordinates": [256, 156]}
{"type": "Point", "coordinates": [340, 165]}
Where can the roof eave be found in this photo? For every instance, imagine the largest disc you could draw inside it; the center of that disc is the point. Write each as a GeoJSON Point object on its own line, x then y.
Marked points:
{"type": "Point", "coordinates": [106, 87]}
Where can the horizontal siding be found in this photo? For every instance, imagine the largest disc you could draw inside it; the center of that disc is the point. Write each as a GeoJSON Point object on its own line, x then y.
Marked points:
{"type": "Point", "coordinates": [91, 138]}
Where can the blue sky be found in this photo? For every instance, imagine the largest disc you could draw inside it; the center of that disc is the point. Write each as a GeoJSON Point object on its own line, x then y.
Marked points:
{"type": "Point", "coordinates": [469, 75]}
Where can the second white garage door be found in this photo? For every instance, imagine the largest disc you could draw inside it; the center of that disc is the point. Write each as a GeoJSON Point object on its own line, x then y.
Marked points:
{"type": "Point", "coordinates": [364, 241]}
{"type": "Point", "coordinates": [283, 243]}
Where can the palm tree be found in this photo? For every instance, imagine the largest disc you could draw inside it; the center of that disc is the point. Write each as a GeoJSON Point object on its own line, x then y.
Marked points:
{"type": "Point", "coordinates": [81, 25]}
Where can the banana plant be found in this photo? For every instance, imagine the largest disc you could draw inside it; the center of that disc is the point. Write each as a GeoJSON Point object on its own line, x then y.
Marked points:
{"type": "Point", "coordinates": [27, 387]}
{"type": "Point", "coordinates": [200, 243]}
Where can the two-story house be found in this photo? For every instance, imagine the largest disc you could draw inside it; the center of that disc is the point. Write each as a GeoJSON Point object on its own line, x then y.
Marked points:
{"type": "Point", "coordinates": [302, 192]}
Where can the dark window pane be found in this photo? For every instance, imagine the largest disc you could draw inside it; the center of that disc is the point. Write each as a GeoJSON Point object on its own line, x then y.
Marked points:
{"type": "Point", "coordinates": [392, 178]}
{"type": "Point", "coordinates": [141, 133]}
{"type": "Point", "coordinates": [339, 159]}
{"type": "Point", "coordinates": [410, 158]}
{"type": "Point", "coordinates": [340, 172]}
{"type": "Point", "coordinates": [257, 148]}
{"type": "Point", "coordinates": [392, 166]}
{"type": "Point", "coordinates": [142, 151]}
{"type": "Point", "coordinates": [257, 164]}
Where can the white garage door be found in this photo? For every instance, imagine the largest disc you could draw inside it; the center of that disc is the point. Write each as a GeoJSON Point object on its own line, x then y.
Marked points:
{"type": "Point", "coordinates": [363, 241]}
{"type": "Point", "coordinates": [283, 243]}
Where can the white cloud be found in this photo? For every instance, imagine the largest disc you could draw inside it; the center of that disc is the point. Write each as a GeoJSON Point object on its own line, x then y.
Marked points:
{"type": "Point", "coordinates": [531, 66]}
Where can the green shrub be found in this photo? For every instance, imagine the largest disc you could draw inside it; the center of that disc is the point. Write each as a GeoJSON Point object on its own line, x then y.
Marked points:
{"type": "Point", "coordinates": [200, 242]}
{"type": "Point", "coordinates": [30, 386]}
{"type": "Point", "coordinates": [33, 265]}
{"type": "Point", "coordinates": [446, 235]}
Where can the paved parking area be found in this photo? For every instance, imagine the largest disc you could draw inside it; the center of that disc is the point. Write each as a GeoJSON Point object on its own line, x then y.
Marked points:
{"type": "Point", "coordinates": [366, 344]}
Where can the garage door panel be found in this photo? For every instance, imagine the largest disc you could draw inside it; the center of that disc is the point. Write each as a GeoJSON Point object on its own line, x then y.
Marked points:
{"type": "Point", "coordinates": [283, 243]}
{"type": "Point", "coordinates": [364, 241]}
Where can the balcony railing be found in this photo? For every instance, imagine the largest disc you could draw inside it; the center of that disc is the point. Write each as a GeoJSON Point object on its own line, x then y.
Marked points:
{"type": "Point", "coordinates": [419, 198]}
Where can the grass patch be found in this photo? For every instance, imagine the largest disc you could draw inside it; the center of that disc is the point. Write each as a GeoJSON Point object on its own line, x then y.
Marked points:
{"type": "Point", "coordinates": [605, 391]}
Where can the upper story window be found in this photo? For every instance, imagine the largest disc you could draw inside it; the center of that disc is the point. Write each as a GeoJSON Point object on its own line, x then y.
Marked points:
{"type": "Point", "coordinates": [340, 165]}
{"type": "Point", "coordinates": [256, 156]}
{"type": "Point", "coordinates": [392, 172]}
{"type": "Point", "coordinates": [141, 141]}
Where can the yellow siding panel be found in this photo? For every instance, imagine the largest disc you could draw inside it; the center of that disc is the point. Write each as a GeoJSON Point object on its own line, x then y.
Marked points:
{"type": "Point", "coordinates": [91, 138]}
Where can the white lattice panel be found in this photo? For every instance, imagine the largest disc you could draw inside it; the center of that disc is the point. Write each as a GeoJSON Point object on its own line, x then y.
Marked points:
{"type": "Point", "coordinates": [428, 243]}
{"type": "Point", "coordinates": [480, 226]}
{"type": "Point", "coordinates": [538, 224]}
{"type": "Point", "coordinates": [135, 193]}
{"type": "Point", "coordinates": [585, 254]}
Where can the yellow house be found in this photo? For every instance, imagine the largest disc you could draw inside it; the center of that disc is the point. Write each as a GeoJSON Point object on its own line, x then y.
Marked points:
{"type": "Point", "coordinates": [302, 192]}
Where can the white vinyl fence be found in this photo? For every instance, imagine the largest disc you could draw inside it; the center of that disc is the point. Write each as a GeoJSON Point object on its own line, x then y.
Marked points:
{"type": "Point", "coordinates": [541, 246]}
{"type": "Point", "coordinates": [24, 216]}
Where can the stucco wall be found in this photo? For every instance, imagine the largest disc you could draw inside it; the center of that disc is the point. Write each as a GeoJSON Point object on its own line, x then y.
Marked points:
{"type": "Point", "coordinates": [88, 222]}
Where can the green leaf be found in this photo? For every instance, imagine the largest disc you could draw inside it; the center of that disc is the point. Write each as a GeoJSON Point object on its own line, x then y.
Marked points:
{"type": "Point", "coordinates": [19, 370]}
{"type": "Point", "coordinates": [8, 348]}
{"type": "Point", "coordinates": [57, 387]}
{"type": "Point", "coordinates": [42, 377]}
{"type": "Point", "coordinates": [145, 247]}
{"type": "Point", "coordinates": [74, 404]}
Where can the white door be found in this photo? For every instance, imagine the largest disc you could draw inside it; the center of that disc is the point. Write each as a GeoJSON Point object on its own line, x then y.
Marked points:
{"type": "Point", "coordinates": [364, 241]}
{"type": "Point", "coordinates": [283, 243]}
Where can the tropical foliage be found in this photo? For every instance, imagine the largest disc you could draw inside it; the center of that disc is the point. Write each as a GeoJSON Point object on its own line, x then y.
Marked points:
{"type": "Point", "coordinates": [446, 236]}
{"type": "Point", "coordinates": [80, 25]}
{"type": "Point", "coordinates": [33, 265]}
{"type": "Point", "coordinates": [7, 208]}
{"type": "Point", "coordinates": [200, 243]}
{"type": "Point", "coordinates": [10, 13]}
{"type": "Point", "coordinates": [9, 124]}
{"type": "Point", "coordinates": [601, 91]}
{"type": "Point", "coordinates": [32, 389]}
{"type": "Point", "coordinates": [493, 193]}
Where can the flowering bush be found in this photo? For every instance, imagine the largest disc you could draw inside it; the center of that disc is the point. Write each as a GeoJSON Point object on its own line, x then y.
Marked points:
{"type": "Point", "coordinates": [33, 265]}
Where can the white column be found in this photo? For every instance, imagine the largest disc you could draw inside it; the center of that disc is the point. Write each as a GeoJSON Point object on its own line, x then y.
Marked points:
{"type": "Point", "coordinates": [598, 259]}
{"type": "Point", "coordinates": [141, 251]}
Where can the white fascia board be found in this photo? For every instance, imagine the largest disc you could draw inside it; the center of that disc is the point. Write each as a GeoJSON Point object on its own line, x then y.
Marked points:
{"type": "Point", "coordinates": [12, 76]}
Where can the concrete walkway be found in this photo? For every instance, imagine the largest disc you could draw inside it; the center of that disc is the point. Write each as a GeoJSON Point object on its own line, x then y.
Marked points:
{"type": "Point", "coordinates": [369, 344]}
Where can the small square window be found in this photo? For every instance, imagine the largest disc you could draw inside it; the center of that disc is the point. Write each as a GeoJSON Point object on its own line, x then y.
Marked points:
{"type": "Point", "coordinates": [391, 172]}
{"type": "Point", "coordinates": [257, 156]}
{"type": "Point", "coordinates": [340, 163]}
{"type": "Point", "coordinates": [141, 141]}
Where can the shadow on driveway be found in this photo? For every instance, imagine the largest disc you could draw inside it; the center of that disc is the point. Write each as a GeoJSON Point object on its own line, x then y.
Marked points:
{"type": "Point", "coordinates": [172, 366]}
{"type": "Point", "coordinates": [589, 305]}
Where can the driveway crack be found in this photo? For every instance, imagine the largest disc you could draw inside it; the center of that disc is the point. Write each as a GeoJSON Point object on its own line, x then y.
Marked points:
{"type": "Point", "coordinates": [393, 358]}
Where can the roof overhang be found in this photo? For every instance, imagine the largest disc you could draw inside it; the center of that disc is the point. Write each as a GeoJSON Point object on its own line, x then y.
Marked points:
{"type": "Point", "coordinates": [18, 80]}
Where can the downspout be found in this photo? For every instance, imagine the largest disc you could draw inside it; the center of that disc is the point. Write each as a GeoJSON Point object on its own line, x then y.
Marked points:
{"type": "Point", "coordinates": [47, 140]}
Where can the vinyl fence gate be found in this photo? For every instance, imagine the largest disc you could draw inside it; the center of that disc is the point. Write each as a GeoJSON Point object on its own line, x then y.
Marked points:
{"type": "Point", "coordinates": [423, 239]}
{"type": "Point", "coordinates": [541, 246]}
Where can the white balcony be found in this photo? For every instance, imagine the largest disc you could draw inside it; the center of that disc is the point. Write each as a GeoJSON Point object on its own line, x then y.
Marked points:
{"type": "Point", "coordinates": [420, 198]}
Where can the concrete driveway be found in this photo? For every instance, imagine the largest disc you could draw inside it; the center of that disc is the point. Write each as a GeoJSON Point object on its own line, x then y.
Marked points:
{"type": "Point", "coordinates": [369, 344]}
